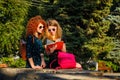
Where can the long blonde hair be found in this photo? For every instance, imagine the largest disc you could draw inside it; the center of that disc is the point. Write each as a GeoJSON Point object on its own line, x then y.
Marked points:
{"type": "Point", "coordinates": [53, 22]}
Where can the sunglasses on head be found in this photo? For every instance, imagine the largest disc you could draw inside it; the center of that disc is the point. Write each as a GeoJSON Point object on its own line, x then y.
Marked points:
{"type": "Point", "coordinates": [40, 27]}
{"type": "Point", "coordinates": [53, 29]}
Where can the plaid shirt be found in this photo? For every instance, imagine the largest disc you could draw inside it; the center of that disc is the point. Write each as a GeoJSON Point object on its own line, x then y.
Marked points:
{"type": "Point", "coordinates": [34, 48]}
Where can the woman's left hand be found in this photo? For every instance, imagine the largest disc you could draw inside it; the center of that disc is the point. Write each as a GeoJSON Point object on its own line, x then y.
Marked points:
{"type": "Point", "coordinates": [43, 64]}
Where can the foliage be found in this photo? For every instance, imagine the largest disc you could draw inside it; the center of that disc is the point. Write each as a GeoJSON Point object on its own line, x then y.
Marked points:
{"type": "Point", "coordinates": [96, 29]}
{"type": "Point", "coordinates": [111, 64]}
{"type": "Point", "coordinates": [114, 18]}
{"type": "Point", "coordinates": [100, 47]}
{"type": "Point", "coordinates": [12, 17]}
{"type": "Point", "coordinates": [84, 24]}
{"type": "Point", "coordinates": [88, 25]}
{"type": "Point", "coordinates": [114, 54]}
{"type": "Point", "coordinates": [11, 62]}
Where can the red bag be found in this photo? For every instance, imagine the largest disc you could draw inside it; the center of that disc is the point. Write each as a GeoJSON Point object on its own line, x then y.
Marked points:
{"type": "Point", "coordinates": [65, 61]}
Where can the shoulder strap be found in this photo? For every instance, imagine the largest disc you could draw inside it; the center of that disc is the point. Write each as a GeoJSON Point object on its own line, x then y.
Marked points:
{"type": "Point", "coordinates": [52, 63]}
{"type": "Point", "coordinates": [58, 67]}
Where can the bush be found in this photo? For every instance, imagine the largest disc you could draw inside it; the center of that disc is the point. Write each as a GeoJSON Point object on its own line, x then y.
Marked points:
{"type": "Point", "coordinates": [114, 66]}
{"type": "Point", "coordinates": [11, 62]}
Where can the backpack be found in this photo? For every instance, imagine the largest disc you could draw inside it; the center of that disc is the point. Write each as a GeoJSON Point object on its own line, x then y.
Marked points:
{"type": "Point", "coordinates": [65, 61]}
{"type": "Point", "coordinates": [23, 49]}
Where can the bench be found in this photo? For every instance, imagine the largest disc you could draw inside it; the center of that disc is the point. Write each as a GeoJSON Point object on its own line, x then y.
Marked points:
{"type": "Point", "coordinates": [102, 67]}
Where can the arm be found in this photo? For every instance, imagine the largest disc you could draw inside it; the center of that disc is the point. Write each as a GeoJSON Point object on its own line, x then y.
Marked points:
{"type": "Point", "coordinates": [50, 50]}
{"type": "Point", "coordinates": [46, 50]}
{"type": "Point", "coordinates": [64, 47]}
{"type": "Point", "coordinates": [31, 62]}
{"type": "Point", "coordinates": [43, 64]}
{"type": "Point", "coordinates": [29, 52]}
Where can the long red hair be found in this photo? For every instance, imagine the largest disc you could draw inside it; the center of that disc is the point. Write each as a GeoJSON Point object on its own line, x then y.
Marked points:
{"type": "Point", "coordinates": [32, 25]}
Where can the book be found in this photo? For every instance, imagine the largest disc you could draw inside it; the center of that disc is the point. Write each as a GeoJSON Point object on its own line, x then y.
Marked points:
{"type": "Point", "coordinates": [59, 45]}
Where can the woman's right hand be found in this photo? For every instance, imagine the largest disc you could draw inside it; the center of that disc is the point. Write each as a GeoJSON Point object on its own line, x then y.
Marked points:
{"type": "Point", "coordinates": [52, 49]}
{"type": "Point", "coordinates": [37, 67]}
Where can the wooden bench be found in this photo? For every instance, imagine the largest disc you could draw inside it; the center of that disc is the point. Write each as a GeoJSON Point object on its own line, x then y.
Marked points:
{"type": "Point", "coordinates": [102, 67]}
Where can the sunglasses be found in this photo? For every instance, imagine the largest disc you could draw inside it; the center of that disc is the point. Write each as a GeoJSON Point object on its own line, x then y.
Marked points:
{"type": "Point", "coordinates": [40, 27]}
{"type": "Point", "coordinates": [53, 29]}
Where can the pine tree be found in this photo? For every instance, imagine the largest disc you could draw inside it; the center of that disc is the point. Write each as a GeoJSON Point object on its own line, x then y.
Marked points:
{"type": "Point", "coordinates": [115, 53]}
{"type": "Point", "coordinates": [114, 31]}
{"type": "Point", "coordinates": [83, 23]}
{"type": "Point", "coordinates": [114, 18]}
{"type": "Point", "coordinates": [97, 26]}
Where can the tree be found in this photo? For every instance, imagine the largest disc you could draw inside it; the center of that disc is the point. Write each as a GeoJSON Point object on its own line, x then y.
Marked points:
{"type": "Point", "coordinates": [12, 17]}
{"type": "Point", "coordinates": [115, 53]}
{"type": "Point", "coordinates": [97, 26]}
{"type": "Point", "coordinates": [84, 25]}
{"type": "Point", "coordinates": [114, 31]}
{"type": "Point", "coordinates": [114, 18]}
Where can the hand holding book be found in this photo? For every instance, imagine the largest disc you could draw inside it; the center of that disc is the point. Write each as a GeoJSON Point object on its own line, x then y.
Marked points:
{"type": "Point", "coordinates": [59, 45]}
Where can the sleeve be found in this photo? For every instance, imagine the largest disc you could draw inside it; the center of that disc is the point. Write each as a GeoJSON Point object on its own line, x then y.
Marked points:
{"type": "Point", "coordinates": [29, 45]}
{"type": "Point", "coordinates": [41, 48]}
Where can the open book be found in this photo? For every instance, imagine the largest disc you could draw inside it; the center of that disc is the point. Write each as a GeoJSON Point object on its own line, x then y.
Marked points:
{"type": "Point", "coordinates": [59, 45]}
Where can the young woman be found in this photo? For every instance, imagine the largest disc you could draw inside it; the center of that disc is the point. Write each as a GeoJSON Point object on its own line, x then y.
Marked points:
{"type": "Point", "coordinates": [34, 48]}
{"type": "Point", "coordinates": [54, 34]}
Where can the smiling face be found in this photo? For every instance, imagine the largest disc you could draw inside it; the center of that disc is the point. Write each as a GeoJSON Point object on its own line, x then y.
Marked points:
{"type": "Point", "coordinates": [35, 27]}
{"type": "Point", "coordinates": [52, 30]}
{"type": "Point", "coordinates": [40, 28]}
